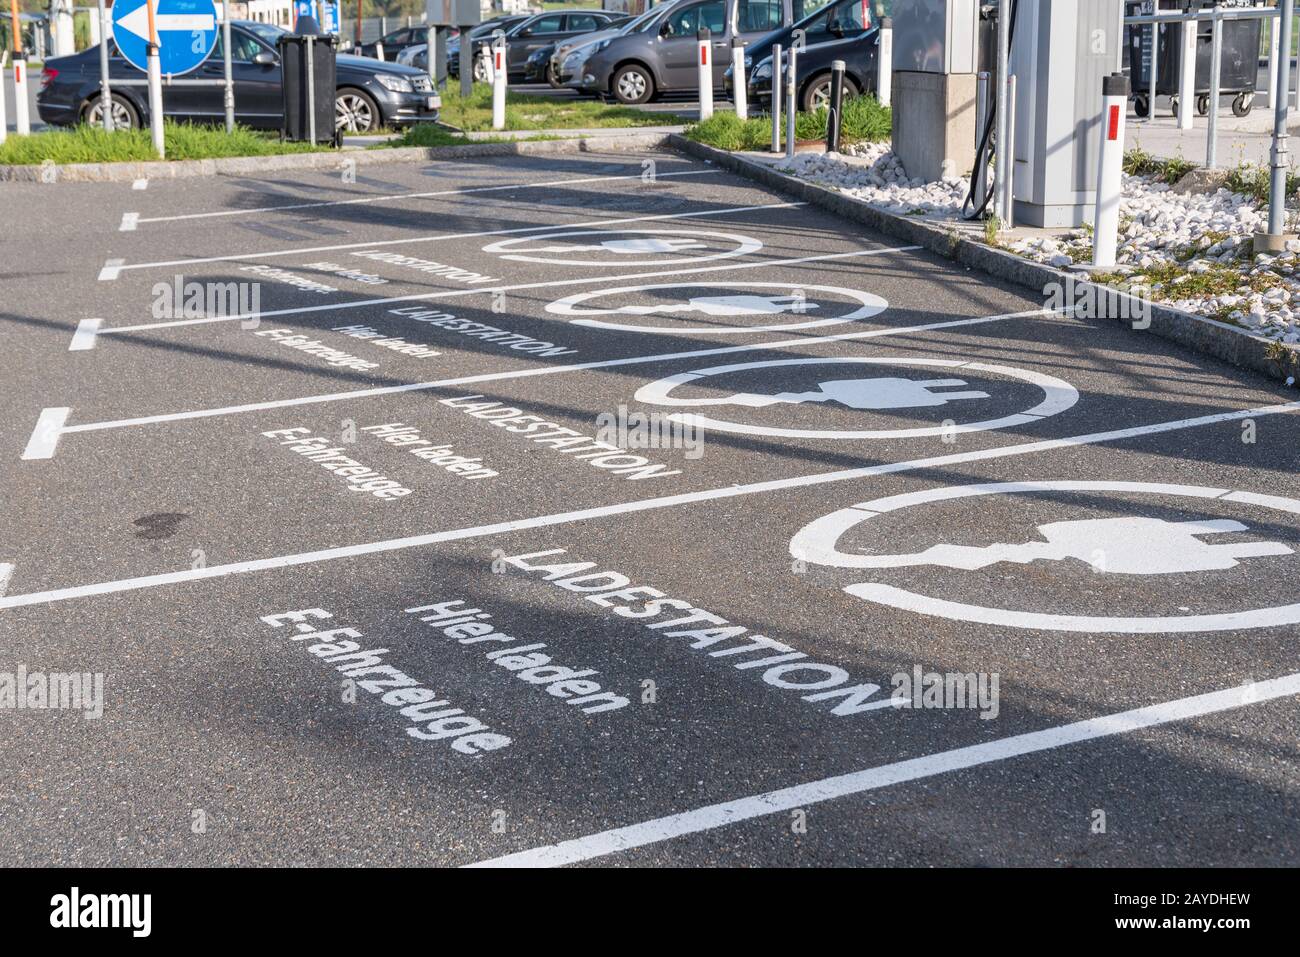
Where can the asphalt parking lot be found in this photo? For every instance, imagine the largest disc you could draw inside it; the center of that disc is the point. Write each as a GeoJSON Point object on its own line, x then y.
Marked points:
{"type": "Point", "coordinates": [592, 509]}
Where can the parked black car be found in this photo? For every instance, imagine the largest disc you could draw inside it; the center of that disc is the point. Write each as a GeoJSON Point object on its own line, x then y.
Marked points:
{"type": "Point", "coordinates": [842, 30]}
{"type": "Point", "coordinates": [395, 42]}
{"type": "Point", "coordinates": [370, 94]}
{"type": "Point", "coordinates": [525, 38]}
{"type": "Point", "coordinates": [418, 55]}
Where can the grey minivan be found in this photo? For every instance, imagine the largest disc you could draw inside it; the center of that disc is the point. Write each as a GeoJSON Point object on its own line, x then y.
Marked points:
{"type": "Point", "coordinates": [659, 57]}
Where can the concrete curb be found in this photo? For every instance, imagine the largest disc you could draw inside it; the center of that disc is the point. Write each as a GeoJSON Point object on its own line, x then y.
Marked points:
{"type": "Point", "coordinates": [255, 165]}
{"type": "Point", "coordinates": [1207, 336]}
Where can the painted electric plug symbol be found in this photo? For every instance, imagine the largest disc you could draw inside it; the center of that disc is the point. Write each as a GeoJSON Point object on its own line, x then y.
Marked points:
{"type": "Point", "coordinates": [885, 393]}
{"type": "Point", "coordinates": [1121, 546]}
{"type": "Point", "coordinates": [727, 306]}
{"type": "Point", "coordinates": [626, 246]}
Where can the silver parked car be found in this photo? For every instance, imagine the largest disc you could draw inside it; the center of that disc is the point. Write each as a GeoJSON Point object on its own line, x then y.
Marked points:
{"type": "Point", "coordinates": [659, 56]}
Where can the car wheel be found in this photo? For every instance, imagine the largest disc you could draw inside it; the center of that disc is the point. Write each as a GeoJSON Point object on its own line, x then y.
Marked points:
{"type": "Point", "coordinates": [123, 113]}
{"type": "Point", "coordinates": [818, 92]}
{"type": "Point", "coordinates": [552, 79]}
{"type": "Point", "coordinates": [355, 112]}
{"type": "Point", "coordinates": [480, 70]}
{"type": "Point", "coordinates": [633, 84]}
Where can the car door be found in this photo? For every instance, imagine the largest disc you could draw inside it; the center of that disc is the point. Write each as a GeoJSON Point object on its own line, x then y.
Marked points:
{"type": "Point", "coordinates": [258, 98]}
{"type": "Point", "coordinates": [677, 42]}
{"type": "Point", "coordinates": [543, 31]}
{"type": "Point", "coordinates": [751, 19]}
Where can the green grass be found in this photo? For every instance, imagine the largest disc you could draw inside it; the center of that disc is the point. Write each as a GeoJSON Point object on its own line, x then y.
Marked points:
{"type": "Point", "coordinates": [726, 131]}
{"type": "Point", "coordinates": [865, 120]}
{"type": "Point", "coordinates": [530, 112]}
{"type": "Point", "coordinates": [90, 144]}
{"type": "Point", "coordinates": [430, 135]}
{"type": "Point", "coordinates": [1138, 162]}
{"type": "Point", "coordinates": [1256, 182]}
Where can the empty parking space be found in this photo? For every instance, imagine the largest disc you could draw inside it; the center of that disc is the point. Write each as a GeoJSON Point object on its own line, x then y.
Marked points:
{"type": "Point", "coordinates": [609, 509]}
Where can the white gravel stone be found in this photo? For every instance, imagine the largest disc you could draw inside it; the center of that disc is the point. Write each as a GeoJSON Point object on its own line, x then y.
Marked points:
{"type": "Point", "coordinates": [1200, 231]}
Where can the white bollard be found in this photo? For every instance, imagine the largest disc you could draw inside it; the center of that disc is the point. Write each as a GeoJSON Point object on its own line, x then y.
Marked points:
{"type": "Point", "coordinates": [776, 98]}
{"type": "Point", "coordinates": [22, 122]}
{"type": "Point", "coordinates": [740, 95]}
{"type": "Point", "coordinates": [885, 61]}
{"type": "Point", "coordinates": [704, 69]}
{"type": "Point", "coordinates": [1187, 77]}
{"type": "Point", "coordinates": [499, 76]}
{"type": "Point", "coordinates": [379, 52]}
{"type": "Point", "coordinates": [1009, 181]}
{"type": "Point", "coordinates": [1110, 164]}
{"type": "Point", "coordinates": [4, 121]}
{"type": "Point", "coordinates": [791, 93]}
{"type": "Point", "coordinates": [155, 100]}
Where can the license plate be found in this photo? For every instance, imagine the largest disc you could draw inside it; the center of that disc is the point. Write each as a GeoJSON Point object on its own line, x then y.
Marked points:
{"type": "Point", "coordinates": [433, 103]}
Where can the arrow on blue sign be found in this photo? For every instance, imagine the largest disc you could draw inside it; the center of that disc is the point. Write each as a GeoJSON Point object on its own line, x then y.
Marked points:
{"type": "Point", "coordinates": [187, 32]}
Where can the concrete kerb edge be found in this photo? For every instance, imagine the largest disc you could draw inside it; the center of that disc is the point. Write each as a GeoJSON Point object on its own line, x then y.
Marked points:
{"type": "Point", "coordinates": [1207, 336]}
{"type": "Point", "coordinates": [252, 165]}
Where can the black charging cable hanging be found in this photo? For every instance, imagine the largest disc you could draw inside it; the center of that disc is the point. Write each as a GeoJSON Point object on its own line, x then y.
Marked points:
{"type": "Point", "coordinates": [983, 155]}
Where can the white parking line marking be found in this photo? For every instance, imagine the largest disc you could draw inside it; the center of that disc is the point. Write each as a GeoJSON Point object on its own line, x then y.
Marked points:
{"type": "Point", "coordinates": [129, 222]}
{"type": "Point", "coordinates": [427, 195]}
{"type": "Point", "coordinates": [49, 426]}
{"type": "Point", "coordinates": [118, 264]}
{"type": "Point", "coordinates": [140, 184]}
{"type": "Point", "coordinates": [84, 337]}
{"type": "Point", "coordinates": [6, 572]}
{"type": "Point", "coordinates": [112, 267]}
{"type": "Point", "coordinates": [844, 785]}
{"type": "Point", "coordinates": [539, 370]}
{"type": "Point", "coordinates": [625, 508]}
{"type": "Point", "coordinates": [489, 290]}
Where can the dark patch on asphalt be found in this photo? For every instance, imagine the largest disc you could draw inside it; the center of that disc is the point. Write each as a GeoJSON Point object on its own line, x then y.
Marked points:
{"type": "Point", "coordinates": [159, 524]}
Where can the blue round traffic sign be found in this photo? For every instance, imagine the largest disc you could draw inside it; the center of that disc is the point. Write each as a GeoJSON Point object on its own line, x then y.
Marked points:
{"type": "Point", "coordinates": [187, 32]}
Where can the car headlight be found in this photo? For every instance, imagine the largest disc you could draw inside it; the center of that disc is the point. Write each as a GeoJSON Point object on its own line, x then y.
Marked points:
{"type": "Point", "coordinates": [574, 60]}
{"type": "Point", "coordinates": [763, 71]}
{"type": "Point", "coordinates": [398, 84]}
{"type": "Point", "coordinates": [596, 48]}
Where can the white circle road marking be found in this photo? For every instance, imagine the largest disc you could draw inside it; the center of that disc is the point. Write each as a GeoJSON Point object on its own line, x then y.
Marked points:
{"type": "Point", "coordinates": [687, 239]}
{"type": "Point", "coordinates": [816, 542]}
{"type": "Point", "coordinates": [870, 305]}
{"type": "Point", "coordinates": [1060, 395]}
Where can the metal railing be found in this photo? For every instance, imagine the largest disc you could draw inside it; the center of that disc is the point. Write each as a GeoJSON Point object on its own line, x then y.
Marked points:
{"type": "Point", "coordinates": [1187, 85]}
{"type": "Point", "coordinates": [1279, 67]}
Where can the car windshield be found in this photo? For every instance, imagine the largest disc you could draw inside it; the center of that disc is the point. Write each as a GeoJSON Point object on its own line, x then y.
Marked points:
{"type": "Point", "coordinates": [267, 32]}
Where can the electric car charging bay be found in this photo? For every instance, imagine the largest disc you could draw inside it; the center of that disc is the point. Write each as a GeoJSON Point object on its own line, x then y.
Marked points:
{"type": "Point", "coordinates": [941, 580]}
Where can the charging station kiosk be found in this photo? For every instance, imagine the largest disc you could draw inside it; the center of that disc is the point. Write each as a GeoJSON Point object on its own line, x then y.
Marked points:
{"type": "Point", "coordinates": [1060, 53]}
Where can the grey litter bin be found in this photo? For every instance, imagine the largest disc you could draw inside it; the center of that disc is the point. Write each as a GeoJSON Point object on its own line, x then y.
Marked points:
{"type": "Point", "coordinates": [296, 126]}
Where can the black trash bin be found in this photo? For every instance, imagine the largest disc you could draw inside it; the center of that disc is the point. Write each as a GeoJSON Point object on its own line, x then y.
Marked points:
{"type": "Point", "coordinates": [1238, 67]}
{"type": "Point", "coordinates": [296, 126]}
